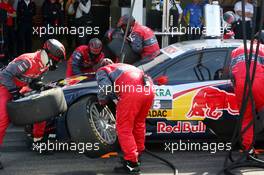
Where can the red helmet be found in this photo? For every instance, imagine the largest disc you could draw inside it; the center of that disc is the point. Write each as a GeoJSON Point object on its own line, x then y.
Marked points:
{"type": "Point", "coordinates": [105, 62]}
{"type": "Point", "coordinates": [95, 46]}
{"type": "Point", "coordinates": [55, 50]}
{"type": "Point", "coordinates": [123, 21]}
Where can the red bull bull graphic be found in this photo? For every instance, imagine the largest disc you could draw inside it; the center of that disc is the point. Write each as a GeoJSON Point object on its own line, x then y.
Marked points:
{"type": "Point", "coordinates": [209, 102]}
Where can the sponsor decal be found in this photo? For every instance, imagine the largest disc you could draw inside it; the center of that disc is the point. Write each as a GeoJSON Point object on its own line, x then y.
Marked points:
{"type": "Point", "coordinates": [73, 80]}
{"type": "Point", "coordinates": [194, 102]}
{"type": "Point", "coordinates": [181, 107]}
{"type": "Point", "coordinates": [162, 104]}
{"type": "Point", "coordinates": [209, 102]}
{"type": "Point", "coordinates": [163, 93]}
{"type": "Point", "coordinates": [172, 51]}
{"type": "Point", "coordinates": [181, 127]}
{"type": "Point", "coordinates": [159, 113]}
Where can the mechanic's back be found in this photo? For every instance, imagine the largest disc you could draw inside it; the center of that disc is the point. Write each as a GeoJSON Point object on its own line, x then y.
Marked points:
{"type": "Point", "coordinates": [135, 94]}
{"type": "Point", "coordinates": [121, 75]}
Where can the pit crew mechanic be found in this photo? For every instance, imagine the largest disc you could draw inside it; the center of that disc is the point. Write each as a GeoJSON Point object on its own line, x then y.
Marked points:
{"type": "Point", "coordinates": [26, 70]}
{"type": "Point", "coordinates": [85, 58]}
{"type": "Point", "coordinates": [141, 38]}
{"type": "Point", "coordinates": [132, 107]}
{"type": "Point", "coordinates": [238, 68]}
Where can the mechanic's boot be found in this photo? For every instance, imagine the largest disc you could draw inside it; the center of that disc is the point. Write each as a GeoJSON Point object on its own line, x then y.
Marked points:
{"type": "Point", "coordinates": [252, 155]}
{"type": "Point", "coordinates": [1, 166]}
{"type": "Point", "coordinates": [128, 167]}
{"type": "Point", "coordinates": [139, 159]}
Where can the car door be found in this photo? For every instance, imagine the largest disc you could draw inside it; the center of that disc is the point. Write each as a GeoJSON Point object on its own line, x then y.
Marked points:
{"type": "Point", "coordinates": [194, 92]}
{"type": "Point", "coordinates": [230, 111]}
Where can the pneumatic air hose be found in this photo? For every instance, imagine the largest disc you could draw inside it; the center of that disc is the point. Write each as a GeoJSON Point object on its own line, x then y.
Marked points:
{"type": "Point", "coordinates": [247, 98]}
{"type": "Point", "coordinates": [175, 171]}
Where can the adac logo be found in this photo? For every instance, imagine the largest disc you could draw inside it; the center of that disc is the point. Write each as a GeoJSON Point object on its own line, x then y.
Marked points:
{"type": "Point", "coordinates": [158, 113]}
{"type": "Point", "coordinates": [209, 102]}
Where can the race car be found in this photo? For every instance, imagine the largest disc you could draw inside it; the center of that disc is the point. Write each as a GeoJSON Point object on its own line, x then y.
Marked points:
{"type": "Point", "coordinates": [196, 100]}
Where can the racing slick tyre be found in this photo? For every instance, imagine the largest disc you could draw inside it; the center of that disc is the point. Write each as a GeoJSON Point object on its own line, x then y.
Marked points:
{"type": "Point", "coordinates": [130, 56]}
{"type": "Point", "coordinates": [37, 107]}
{"type": "Point", "coordinates": [94, 125]}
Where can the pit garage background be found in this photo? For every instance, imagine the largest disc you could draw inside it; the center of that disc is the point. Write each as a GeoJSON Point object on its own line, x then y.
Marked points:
{"type": "Point", "coordinates": [107, 12]}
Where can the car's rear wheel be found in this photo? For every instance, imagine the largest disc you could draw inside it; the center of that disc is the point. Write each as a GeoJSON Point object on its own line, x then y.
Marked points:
{"type": "Point", "coordinates": [90, 123]}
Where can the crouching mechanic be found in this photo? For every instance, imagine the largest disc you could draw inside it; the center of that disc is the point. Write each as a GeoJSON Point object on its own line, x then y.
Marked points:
{"type": "Point", "coordinates": [141, 38]}
{"type": "Point", "coordinates": [134, 92]}
{"type": "Point", "coordinates": [85, 58]}
{"type": "Point", "coordinates": [23, 71]}
{"type": "Point", "coordinates": [238, 68]}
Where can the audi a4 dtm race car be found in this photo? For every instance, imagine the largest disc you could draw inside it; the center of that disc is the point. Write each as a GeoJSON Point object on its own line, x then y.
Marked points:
{"type": "Point", "coordinates": [194, 99]}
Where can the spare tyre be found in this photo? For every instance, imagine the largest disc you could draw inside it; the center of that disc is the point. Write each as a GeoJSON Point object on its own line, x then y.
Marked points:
{"type": "Point", "coordinates": [130, 56]}
{"type": "Point", "coordinates": [38, 107]}
{"type": "Point", "coordinates": [90, 123]}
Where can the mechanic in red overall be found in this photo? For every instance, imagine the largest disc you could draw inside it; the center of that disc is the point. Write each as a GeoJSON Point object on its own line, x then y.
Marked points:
{"type": "Point", "coordinates": [122, 82]}
{"type": "Point", "coordinates": [24, 71]}
{"type": "Point", "coordinates": [141, 38]}
{"type": "Point", "coordinates": [85, 58]}
{"type": "Point", "coordinates": [239, 74]}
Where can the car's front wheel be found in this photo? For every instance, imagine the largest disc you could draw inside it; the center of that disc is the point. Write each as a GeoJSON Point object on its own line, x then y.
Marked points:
{"type": "Point", "coordinates": [90, 123]}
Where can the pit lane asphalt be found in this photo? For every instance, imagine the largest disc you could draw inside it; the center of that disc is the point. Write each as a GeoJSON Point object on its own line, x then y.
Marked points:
{"type": "Point", "coordinates": [19, 160]}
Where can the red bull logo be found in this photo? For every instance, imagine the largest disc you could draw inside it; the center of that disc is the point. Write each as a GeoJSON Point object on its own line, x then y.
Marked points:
{"type": "Point", "coordinates": [209, 102]}
{"type": "Point", "coordinates": [181, 127]}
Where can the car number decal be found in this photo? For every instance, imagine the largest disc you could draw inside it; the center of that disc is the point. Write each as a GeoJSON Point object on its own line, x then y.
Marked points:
{"type": "Point", "coordinates": [172, 51]}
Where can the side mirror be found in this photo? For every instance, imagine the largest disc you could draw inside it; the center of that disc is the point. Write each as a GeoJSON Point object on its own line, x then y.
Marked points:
{"type": "Point", "coordinates": [161, 80]}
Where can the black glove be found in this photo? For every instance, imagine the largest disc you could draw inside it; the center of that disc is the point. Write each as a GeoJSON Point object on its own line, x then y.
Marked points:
{"type": "Point", "coordinates": [36, 85]}
{"type": "Point", "coordinates": [84, 2]}
{"type": "Point", "coordinates": [16, 95]}
{"type": "Point", "coordinates": [146, 80]}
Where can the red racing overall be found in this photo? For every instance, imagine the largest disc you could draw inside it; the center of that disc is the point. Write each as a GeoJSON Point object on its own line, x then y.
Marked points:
{"type": "Point", "coordinates": [239, 73]}
{"type": "Point", "coordinates": [19, 73]}
{"type": "Point", "coordinates": [80, 61]}
{"type": "Point", "coordinates": [132, 107]}
{"type": "Point", "coordinates": [144, 42]}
